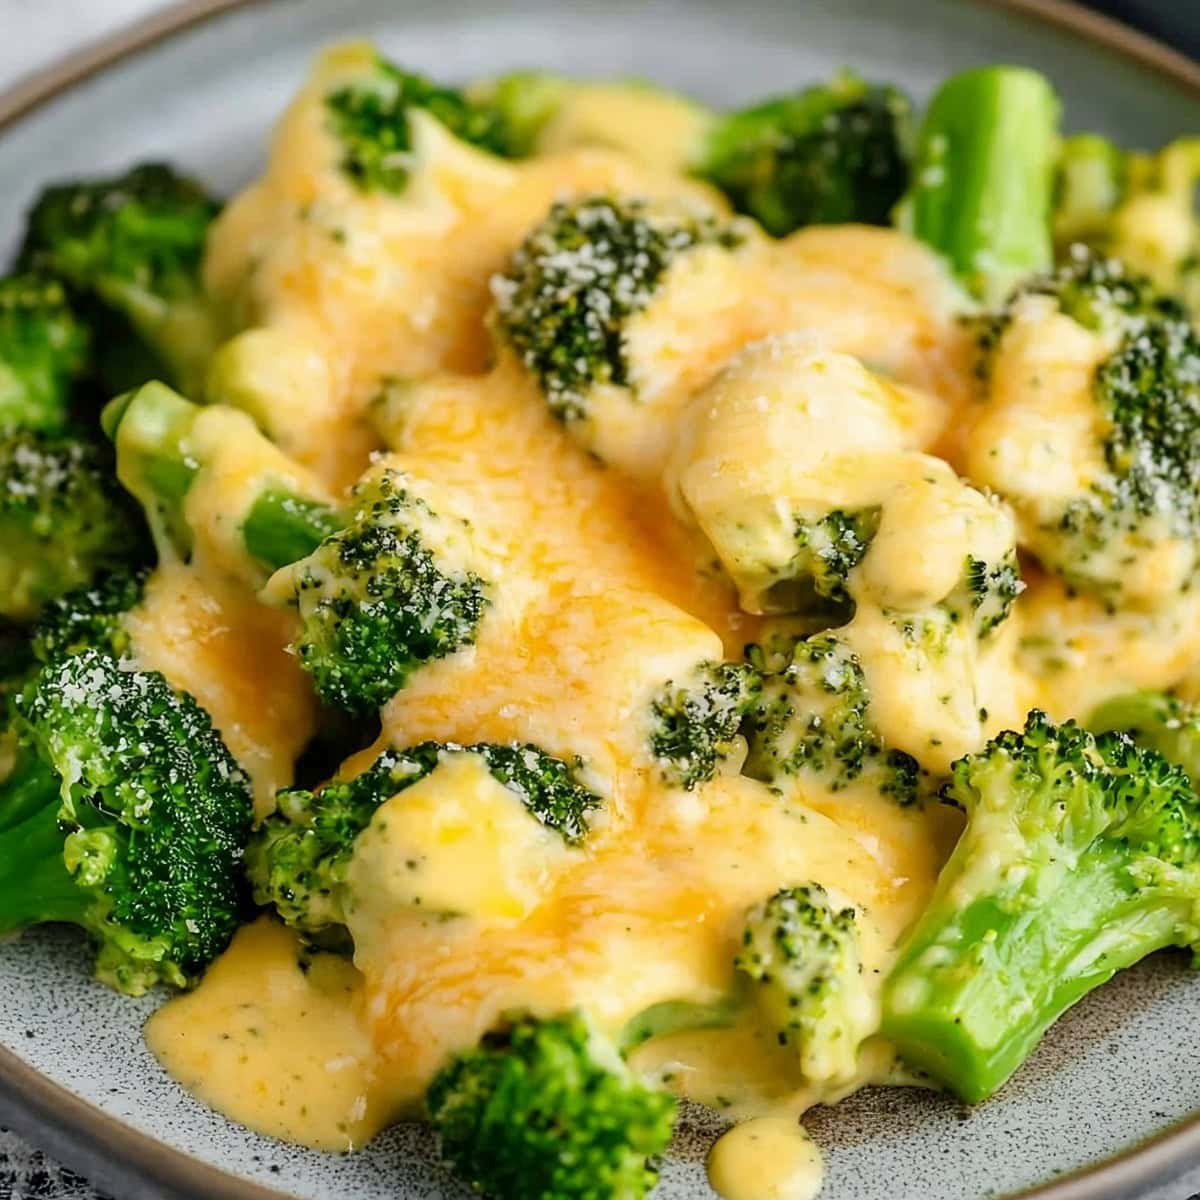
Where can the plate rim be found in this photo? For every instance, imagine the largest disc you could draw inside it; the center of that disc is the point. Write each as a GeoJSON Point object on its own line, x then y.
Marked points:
{"type": "Point", "coordinates": [84, 1132]}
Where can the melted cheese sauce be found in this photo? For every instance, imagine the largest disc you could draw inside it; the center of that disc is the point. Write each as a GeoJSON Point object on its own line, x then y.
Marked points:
{"type": "Point", "coordinates": [292, 1058]}
{"type": "Point", "coordinates": [363, 326]}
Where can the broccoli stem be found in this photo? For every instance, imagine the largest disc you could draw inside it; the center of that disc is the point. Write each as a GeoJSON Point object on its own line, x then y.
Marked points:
{"type": "Point", "coordinates": [152, 429]}
{"type": "Point", "coordinates": [983, 178]}
{"type": "Point", "coordinates": [976, 988]}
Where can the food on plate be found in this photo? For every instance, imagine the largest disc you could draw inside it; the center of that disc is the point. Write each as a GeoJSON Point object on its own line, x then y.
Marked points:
{"type": "Point", "coordinates": [556, 602]}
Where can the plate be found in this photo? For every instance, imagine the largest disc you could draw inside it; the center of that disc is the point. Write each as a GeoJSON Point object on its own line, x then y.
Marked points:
{"type": "Point", "coordinates": [201, 84]}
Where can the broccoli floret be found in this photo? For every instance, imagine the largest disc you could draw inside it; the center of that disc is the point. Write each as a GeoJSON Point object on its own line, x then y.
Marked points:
{"type": "Point", "coordinates": [1139, 208]}
{"type": "Point", "coordinates": [1156, 721]}
{"type": "Point", "coordinates": [991, 589]}
{"type": "Point", "coordinates": [134, 245]}
{"type": "Point", "coordinates": [1143, 492]}
{"type": "Point", "coordinates": [376, 602]}
{"type": "Point", "coordinates": [828, 155]}
{"type": "Point", "coordinates": [43, 351]}
{"type": "Point", "coordinates": [813, 719]}
{"type": "Point", "coordinates": [63, 519]}
{"type": "Point", "coordinates": [1080, 856]}
{"type": "Point", "coordinates": [803, 952]}
{"type": "Point", "coordinates": [370, 118]}
{"type": "Point", "coordinates": [828, 549]}
{"type": "Point", "coordinates": [575, 281]}
{"type": "Point", "coordinates": [695, 723]}
{"type": "Point", "coordinates": [91, 618]}
{"type": "Point", "coordinates": [983, 176]}
{"type": "Point", "coordinates": [297, 861]}
{"type": "Point", "coordinates": [546, 1110]}
{"type": "Point", "coordinates": [125, 814]}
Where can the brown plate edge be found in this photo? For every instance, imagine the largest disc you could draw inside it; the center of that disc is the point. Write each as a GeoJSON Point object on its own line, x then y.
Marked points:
{"type": "Point", "coordinates": [83, 1133]}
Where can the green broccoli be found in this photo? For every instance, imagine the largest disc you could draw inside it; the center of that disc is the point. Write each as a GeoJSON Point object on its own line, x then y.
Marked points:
{"type": "Point", "coordinates": [988, 592]}
{"type": "Point", "coordinates": [1139, 208]}
{"type": "Point", "coordinates": [576, 280]}
{"type": "Point", "coordinates": [91, 618]}
{"type": "Point", "coordinates": [803, 952]}
{"type": "Point", "coordinates": [827, 155]}
{"type": "Point", "coordinates": [125, 814]}
{"type": "Point", "coordinates": [297, 861]}
{"type": "Point", "coordinates": [1080, 856]}
{"type": "Point", "coordinates": [44, 349]}
{"type": "Point", "coordinates": [828, 548]}
{"type": "Point", "coordinates": [375, 600]}
{"type": "Point", "coordinates": [133, 245]}
{"type": "Point", "coordinates": [696, 722]}
{"type": "Point", "coordinates": [1156, 721]}
{"type": "Point", "coordinates": [546, 1110]}
{"type": "Point", "coordinates": [983, 177]}
{"type": "Point", "coordinates": [370, 119]}
{"type": "Point", "coordinates": [63, 519]}
{"type": "Point", "coordinates": [813, 719]}
{"type": "Point", "coordinates": [1143, 492]}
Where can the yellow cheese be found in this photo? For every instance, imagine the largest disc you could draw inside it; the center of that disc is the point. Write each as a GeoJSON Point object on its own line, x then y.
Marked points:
{"type": "Point", "coordinates": [290, 1056]}
{"type": "Point", "coordinates": [771, 1158]}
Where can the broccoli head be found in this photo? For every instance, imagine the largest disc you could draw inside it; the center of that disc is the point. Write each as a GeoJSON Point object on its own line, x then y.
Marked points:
{"type": "Point", "coordinates": [298, 860]}
{"type": "Point", "coordinates": [133, 244]}
{"type": "Point", "coordinates": [1123, 521]}
{"type": "Point", "coordinates": [370, 119]}
{"type": "Point", "coordinates": [1080, 856]}
{"type": "Point", "coordinates": [43, 351]}
{"type": "Point", "coordinates": [377, 600]}
{"type": "Point", "coordinates": [63, 519]}
{"type": "Point", "coordinates": [575, 281]}
{"type": "Point", "coordinates": [696, 723]}
{"type": "Point", "coordinates": [828, 155]}
{"type": "Point", "coordinates": [1158, 721]}
{"type": "Point", "coordinates": [546, 1110]}
{"type": "Point", "coordinates": [90, 618]}
{"type": "Point", "coordinates": [125, 814]}
{"type": "Point", "coordinates": [802, 951]}
{"type": "Point", "coordinates": [813, 719]}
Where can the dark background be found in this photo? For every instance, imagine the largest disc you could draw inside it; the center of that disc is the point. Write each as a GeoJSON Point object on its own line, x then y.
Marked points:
{"type": "Point", "coordinates": [1176, 22]}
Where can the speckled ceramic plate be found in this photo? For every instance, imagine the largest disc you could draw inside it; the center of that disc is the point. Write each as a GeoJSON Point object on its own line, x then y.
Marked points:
{"type": "Point", "coordinates": [201, 84]}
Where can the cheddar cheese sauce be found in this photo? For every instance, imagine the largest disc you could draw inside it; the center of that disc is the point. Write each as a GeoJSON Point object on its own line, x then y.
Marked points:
{"type": "Point", "coordinates": [649, 534]}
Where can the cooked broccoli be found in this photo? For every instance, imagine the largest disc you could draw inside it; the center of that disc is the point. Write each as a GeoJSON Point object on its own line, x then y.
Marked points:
{"type": "Point", "coordinates": [159, 459]}
{"type": "Point", "coordinates": [1139, 208]}
{"type": "Point", "coordinates": [1143, 491]}
{"type": "Point", "coordinates": [297, 861]}
{"type": "Point", "coordinates": [546, 1110]}
{"type": "Point", "coordinates": [828, 548]}
{"type": "Point", "coordinates": [695, 722]}
{"type": "Point", "coordinates": [126, 815]}
{"type": "Point", "coordinates": [91, 618]}
{"type": "Point", "coordinates": [989, 590]}
{"type": "Point", "coordinates": [1080, 856]}
{"type": "Point", "coordinates": [983, 175]}
{"type": "Point", "coordinates": [63, 519]}
{"type": "Point", "coordinates": [376, 602]}
{"type": "Point", "coordinates": [803, 952]}
{"type": "Point", "coordinates": [370, 118]}
{"type": "Point", "coordinates": [575, 281]}
{"type": "Point", "coordinates": [813, 719]}
{"type": "Point", "coordinates": [1156, 721]}
{"type": "Point", "coordinates": [43, 351]}
{"type": "Point", "coordinates": [827, 155]}
{"type": "Point", "coordinates": [134, 245]}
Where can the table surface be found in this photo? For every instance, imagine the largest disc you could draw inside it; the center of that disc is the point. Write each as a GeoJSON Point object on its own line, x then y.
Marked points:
{"type": "Point", "coordinates": [48, 29]}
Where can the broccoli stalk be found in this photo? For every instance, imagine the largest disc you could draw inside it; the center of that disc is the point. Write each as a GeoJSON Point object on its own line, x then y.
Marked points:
{"type": "Point", "coordinates": [124, 814]}
{"type": "Point", "coordinates": [133, 245]}
{"type": "Point", "coordinates": [827, 155]}
{"type": "Point", "coordinates": [158, 462]}
{"type": "Point", "coordinates": [546, 1110]}
{"type": "Point", "coordinates": [1080, 856]}
{"type": "Point", "coordinates": [983, 176]}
